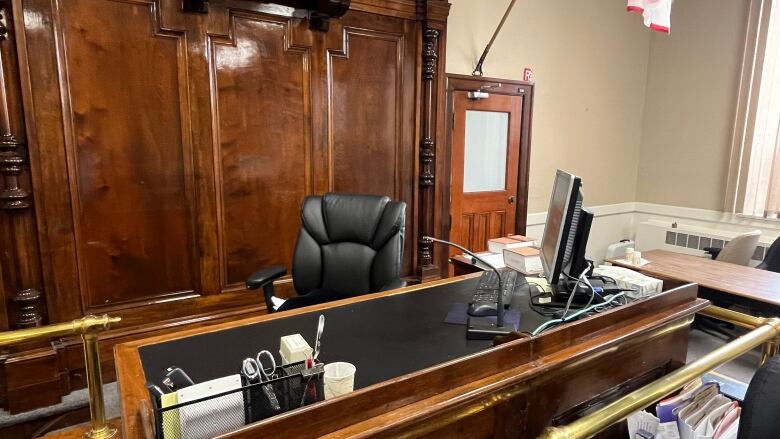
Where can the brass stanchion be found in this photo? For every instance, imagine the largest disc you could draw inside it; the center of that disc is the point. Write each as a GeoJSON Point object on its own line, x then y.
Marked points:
{"type": "Point", "coordinates": [88, 327]}
{"type": "Point", "coordinates": [97, 407]}
{"type": "Point", "coordinates": [766, 333]}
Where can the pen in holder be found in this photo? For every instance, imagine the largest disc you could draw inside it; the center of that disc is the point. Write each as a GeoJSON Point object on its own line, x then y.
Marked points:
{"type": "Point", "coordinates": [294, 386]}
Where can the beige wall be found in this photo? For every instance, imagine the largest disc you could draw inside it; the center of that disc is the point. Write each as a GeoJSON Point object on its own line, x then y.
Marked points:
{"type": "Point", "coordinates": [692, 81]}
{"type": "Point", "coordinates": [590, 61]}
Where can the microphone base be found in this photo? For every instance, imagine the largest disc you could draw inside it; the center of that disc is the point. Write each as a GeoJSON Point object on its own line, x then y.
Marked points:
{"type": "Point", "coordinates": [484, 328]}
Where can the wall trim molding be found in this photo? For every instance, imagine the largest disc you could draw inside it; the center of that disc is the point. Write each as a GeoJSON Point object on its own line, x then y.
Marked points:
{"type": "Point", "coordinates": [677, 213]}
{"type": "Point", "coordinates": [539, 218]}
{"type": "Point", "coordinates": [711, 216]}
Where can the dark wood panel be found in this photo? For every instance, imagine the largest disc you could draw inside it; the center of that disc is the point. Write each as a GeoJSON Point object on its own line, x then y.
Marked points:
{"type": "Point", "coordinates": [371, 116]}
{"type": "Point", "coordinates": [357, 141]}
{"type": "Point", "coordinates": [169, 152]}
{"type": "Point", "coordinates": [264, 139]}
{"type": "Point", "coordinates": [129, 153]}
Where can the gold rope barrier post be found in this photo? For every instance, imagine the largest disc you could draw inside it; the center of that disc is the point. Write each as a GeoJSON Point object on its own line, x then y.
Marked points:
{"type": "Point", "coordinates": [97, 407]}
{"type": "Point", "coordinates": [587, 426]}
{"type": "Point", "coordinates": [88, 327]}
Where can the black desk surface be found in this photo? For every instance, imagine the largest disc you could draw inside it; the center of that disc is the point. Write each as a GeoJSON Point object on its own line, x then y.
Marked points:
{"type": "Point", "coordinates": [384, 338]}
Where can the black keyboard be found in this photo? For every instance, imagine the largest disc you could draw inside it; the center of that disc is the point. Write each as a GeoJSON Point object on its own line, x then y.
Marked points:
{"type": "Point", "coordinates": [485, 298]}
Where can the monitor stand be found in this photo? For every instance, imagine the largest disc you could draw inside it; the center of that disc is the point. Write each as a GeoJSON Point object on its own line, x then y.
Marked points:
{"type": "Point", "coordinates": [561, 292]}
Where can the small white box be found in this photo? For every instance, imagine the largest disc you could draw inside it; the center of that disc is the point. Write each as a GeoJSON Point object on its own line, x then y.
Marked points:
{"type": "Point", "coordinates": [293, 349]}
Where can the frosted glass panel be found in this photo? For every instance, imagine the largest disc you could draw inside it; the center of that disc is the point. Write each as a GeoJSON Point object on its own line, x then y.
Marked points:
{"type": "Point", "coordinates": [484, 161]}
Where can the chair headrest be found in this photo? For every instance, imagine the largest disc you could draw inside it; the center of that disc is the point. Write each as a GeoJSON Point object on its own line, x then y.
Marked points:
{"type": "Point", "coordinates": [366, 219]}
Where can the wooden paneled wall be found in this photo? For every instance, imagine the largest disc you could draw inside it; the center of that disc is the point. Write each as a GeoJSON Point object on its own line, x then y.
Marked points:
{"type": "Point", "coordinates": [152, 158]}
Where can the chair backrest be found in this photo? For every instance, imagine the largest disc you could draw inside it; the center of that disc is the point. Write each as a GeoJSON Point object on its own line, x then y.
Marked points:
{"type": "Point", "coordinates": [758, 419]}
{"type": "Point", "coordinates": [771, 261]}
{"type": "Point", "coordinates": [740, 249]}
{"type": "Point", "coordinates": [350, 244]}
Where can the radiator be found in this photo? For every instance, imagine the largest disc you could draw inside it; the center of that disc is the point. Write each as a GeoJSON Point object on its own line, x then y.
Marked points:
{"type": "Point", "coordinates": [690, 239]}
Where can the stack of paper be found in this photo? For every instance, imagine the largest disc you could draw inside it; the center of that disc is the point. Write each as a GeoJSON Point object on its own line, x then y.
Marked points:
{"type": "Point", "coordinates": [496, 260]}
{"type": "Point", "coordinates": [629, 279]}
{"type": "Point", "coordinates": [700, 411]}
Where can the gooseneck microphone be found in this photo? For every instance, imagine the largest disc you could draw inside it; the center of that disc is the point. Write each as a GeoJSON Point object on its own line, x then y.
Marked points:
{"type": "Point", "coordinates": [482, 327]}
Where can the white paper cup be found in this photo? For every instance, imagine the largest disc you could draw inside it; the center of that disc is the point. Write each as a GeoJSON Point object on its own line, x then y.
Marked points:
{"type": "Point", "coordinates": [339, 379]}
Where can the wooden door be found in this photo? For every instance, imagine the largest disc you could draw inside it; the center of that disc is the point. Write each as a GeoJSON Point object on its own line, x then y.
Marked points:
{"type": "Point", "coordinates": [485, 163]}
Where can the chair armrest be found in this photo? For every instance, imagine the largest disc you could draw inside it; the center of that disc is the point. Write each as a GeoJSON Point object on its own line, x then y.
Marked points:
{"type": "Point", "coordinates": [712, 251]}
{"type": "Point", "coordinates": [262, 277]}
{"type": "Point", "coordinates": [393, 284]}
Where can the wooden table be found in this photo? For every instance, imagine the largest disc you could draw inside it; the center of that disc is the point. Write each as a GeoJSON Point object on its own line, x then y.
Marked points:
{"type": "Point", "coordinates": [718, 281]}
{"type": "Point", "coordinates": [444, 386]}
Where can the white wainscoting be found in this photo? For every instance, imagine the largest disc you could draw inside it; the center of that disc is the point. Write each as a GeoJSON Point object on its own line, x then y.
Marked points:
{"type": "Point", "coordinates": [611, 223]}
{"type": "Point", "coordinates": [614, 222]}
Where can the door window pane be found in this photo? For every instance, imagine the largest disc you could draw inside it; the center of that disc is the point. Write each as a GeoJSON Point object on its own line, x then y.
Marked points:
{"type": "Point", "coordinates": [484, 161]}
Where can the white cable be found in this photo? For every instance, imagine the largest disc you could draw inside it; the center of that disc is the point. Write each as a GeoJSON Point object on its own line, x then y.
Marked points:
{"type": "Point", "coordinates": [545, 325]}
{"type": "Point", "coordinates": [574, 291]}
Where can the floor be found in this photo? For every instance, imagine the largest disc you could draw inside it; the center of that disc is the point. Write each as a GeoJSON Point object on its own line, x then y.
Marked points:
{"type": "Point", "coordinates": [72, 401]}
{"type": "Point", "coordinates": [740, 369]}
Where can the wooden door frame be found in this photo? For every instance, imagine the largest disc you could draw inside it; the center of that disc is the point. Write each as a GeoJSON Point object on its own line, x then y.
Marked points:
{"type": "Point", "coordinates": [493, 86]}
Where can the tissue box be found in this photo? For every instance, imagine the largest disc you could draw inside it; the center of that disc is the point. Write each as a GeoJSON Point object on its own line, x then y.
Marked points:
{"type": "Point", "coordinates": [293, 348]}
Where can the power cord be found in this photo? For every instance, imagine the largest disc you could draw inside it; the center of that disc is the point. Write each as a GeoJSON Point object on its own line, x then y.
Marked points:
{"type": "Point", "coordinates": [574, 290]}
{"type": "Point", "coordinates": [546, 325]}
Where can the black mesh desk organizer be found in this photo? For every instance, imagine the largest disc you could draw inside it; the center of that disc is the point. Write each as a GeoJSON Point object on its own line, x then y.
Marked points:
{"type": "Point", "coordinates": [293, 388]}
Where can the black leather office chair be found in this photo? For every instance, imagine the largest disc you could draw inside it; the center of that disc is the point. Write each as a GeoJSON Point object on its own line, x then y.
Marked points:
{"type": "Point", "coordinates": [758, 419]}
{"type": "Point", "coordinates": [771, 261]}
{"type": "Point", "coordinates": [348, 245]}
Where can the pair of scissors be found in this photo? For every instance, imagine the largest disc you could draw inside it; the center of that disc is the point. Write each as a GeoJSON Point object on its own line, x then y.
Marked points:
{"type": "Point", "coordinates": [254, 368]}
{"type": "Point", "coordinates": [255, 371]}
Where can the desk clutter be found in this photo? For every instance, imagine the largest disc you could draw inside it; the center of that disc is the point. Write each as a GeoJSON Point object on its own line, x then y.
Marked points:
{"type": "Point", "coordinates": [262, 388]}
{"type": "Point", "coordinates": [699, 411]}
{"type": "Point", "coordinates": [633, 258]}
{"type": "Point", "coordinates": [517, 252]}
{"type": "Point", "coordinates": [568, 298]}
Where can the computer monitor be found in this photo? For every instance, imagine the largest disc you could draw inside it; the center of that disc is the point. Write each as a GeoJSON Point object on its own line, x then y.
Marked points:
{"type": "Point", "coordinates": [566, 231]}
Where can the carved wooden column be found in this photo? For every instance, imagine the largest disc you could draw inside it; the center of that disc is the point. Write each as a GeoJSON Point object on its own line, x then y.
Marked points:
{"type": "Point", "coordinates": [425, 267]}
{"type": "Point", "coordinates": [434, 24]}
{"type": "Point", "coordinates": [20, 262]}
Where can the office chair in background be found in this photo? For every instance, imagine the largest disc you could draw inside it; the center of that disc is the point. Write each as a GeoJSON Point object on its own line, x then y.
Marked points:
{"type": "Point", "coordinates": [348, 245]}
{"type": "Point", "coordinates": [738, 251]}
{"type": "Point", "coordinates": [771, 261]}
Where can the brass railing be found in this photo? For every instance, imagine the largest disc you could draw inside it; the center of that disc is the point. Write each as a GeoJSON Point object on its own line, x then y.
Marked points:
{"type": "Point", "coordinates": [764, 331]}
{"type": "Point", "coordinates": [88, 327]}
